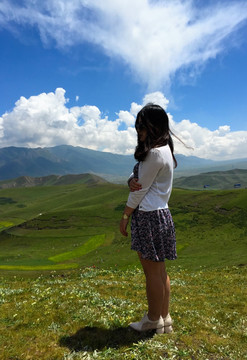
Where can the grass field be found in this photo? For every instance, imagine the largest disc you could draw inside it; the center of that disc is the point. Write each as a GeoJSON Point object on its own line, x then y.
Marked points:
{"type": "Point", "coordinates": [77, 226]}
{"type": "Point", "coordinates": [70, 285]}
{"type": "Point", "coordinates": [85, 315]}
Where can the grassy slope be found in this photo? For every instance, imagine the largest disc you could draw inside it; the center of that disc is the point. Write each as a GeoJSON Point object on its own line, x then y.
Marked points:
{"type": "Point", "coordinates": [85, 315]}
{"type": "Point", "coordinates": [71, 215]}
{"type": "Point", "coordinates": [210, 226]}
{"type": "Point", "coordinates": [215, 180]}
{"type": "Point", "coordinates": [28, 181]}
{"type": "Point", "coordinates": [72, 315]}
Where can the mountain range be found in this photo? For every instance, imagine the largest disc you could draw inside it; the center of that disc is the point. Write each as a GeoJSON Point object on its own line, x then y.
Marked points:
{"type": "Point", "coordinates": [51, 180]}
{"type": "Point", "coordinates": [65, 159]}
{"type": "Point", "coordinates": [214, 180]}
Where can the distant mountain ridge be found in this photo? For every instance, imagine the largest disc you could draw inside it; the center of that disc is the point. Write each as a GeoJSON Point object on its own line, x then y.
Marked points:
{"type": "Point", "coordinates": [214, 180]}
{"type": "Point", "coordinates": [61, 160]}
{"type": "Point", "coordinates": [51, 180]}
{"type": "Point", "coordinates": [65, 159]}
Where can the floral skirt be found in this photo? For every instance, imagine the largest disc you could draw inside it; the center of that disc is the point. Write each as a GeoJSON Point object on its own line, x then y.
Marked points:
{"type": "Point", "coordinates": [153, 234]}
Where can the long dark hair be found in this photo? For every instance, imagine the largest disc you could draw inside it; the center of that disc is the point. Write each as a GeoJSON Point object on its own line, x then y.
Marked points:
{"type": "Point", "coordinates": [154, 120]}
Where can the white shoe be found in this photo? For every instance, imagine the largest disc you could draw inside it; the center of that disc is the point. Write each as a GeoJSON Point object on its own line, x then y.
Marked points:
{"type": "Point", "coordinates": [145, 324]}
{"type": "Point", "coordinates": [168, 324]}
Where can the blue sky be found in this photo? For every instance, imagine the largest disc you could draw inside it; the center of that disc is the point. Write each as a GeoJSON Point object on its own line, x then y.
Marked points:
{"type": "Point", "coordinates": [106, 60]}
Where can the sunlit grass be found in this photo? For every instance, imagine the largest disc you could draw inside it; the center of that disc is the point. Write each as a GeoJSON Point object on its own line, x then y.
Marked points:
{"type": "Point", "coordinates": [58, 222]}
{"type": "Point", "coordinates": [85, 315]}
{"type": "Point", "coordinates": [39, 267]}
{"type": "Point", "coordinates": [5, 224]}
{"type": "Point", "coordinates": [92, 244]}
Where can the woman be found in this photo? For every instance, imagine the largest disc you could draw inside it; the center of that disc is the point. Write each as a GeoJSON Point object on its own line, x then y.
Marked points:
{"type": "Point", "coordinates": [152, 228]}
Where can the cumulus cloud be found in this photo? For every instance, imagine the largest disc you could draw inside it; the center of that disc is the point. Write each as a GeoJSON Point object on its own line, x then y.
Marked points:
{"type": "Point", "coordinates": [220, 144]}
{"type": "Point", "coordinates": [47, 120]}
{"type": "Point", "coordinates": [156, 39]}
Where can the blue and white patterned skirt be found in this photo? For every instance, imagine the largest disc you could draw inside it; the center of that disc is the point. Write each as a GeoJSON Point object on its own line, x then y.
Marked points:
{"type": "Point", "coordinates": [153, 234]}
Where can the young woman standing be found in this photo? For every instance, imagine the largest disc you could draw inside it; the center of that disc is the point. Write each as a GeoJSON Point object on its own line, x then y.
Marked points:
{"type": "Point", "coordinates": [152, 228]}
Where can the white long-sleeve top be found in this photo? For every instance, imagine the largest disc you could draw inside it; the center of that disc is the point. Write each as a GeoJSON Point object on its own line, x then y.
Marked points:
{"type": "Point", "coordinates": [155, 174]}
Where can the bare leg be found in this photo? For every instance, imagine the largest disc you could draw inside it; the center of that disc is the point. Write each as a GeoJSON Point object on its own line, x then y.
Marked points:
{"type": "Point", "coordinates": [156, 284]}
{"type": "Point", "coordinates": [166, 292]}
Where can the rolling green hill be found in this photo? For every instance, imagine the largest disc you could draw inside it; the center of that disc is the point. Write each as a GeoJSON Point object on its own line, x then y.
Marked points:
{"type": "Point", "coordinates": [28, 181]}
{"type": "Point", "coordinates": [70, 285]}
{"type": "Point", "coordinates": [70, 226]}
{"type": "Point", "coordinates": [214, 180]}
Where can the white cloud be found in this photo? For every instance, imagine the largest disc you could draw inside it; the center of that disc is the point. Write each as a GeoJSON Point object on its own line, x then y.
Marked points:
{"type": "Point", "coordinates": [128, 117]}
{"type": "Point", "coordinates": [220, 144]}
{"type": "Point", "coordinates": [156, 97]}
{"type": "Point", "coordinates": [156, 39]}
{"type": "Point", "coordinates": [47, 120]}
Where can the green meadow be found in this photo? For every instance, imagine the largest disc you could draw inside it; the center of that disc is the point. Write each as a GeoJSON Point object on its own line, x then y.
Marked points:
{"type": "Point", "coordinates": [70, 285]}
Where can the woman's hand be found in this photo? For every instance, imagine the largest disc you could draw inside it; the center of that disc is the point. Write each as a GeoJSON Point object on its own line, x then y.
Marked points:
{"type": "Point", "coordinates": [123, 226]}
{"type": "Point", "coordinates": [134, 185]}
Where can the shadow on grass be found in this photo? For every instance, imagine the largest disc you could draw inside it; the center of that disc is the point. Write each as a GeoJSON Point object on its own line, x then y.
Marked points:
{"type": "Point", "coordinates": [94, 338]}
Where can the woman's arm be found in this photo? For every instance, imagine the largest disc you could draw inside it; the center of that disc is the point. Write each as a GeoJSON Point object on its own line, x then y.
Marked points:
{"type": "Point", "coordinates": [134, 185]}
{"type": "Point", "coordinates": [148, 171]}
{"type": "Point", "coordinates": [125, 220]}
